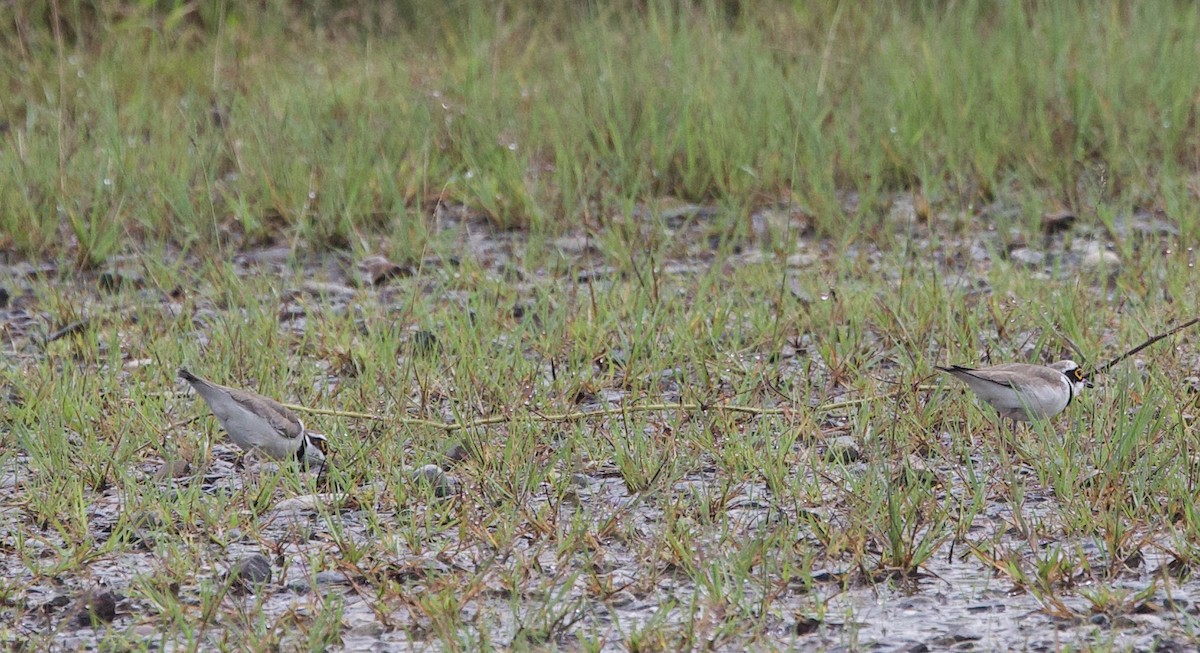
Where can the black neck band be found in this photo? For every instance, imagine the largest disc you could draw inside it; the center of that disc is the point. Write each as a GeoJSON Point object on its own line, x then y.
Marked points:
{"type": "Point", "coordinates": [1070, 389]}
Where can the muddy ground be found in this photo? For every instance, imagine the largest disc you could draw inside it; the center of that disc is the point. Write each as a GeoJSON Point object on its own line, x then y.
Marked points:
{"type": "Point", "coordinates": [953, 602]}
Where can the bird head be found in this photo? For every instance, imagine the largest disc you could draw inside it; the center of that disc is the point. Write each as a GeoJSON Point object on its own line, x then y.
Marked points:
{"type": "Point", "coordinates": [313, 454]}
{"type": "Point", "coordinates": [1074, 373]}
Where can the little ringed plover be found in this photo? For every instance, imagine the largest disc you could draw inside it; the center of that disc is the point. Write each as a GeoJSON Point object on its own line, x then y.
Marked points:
{"type": "Point", "coordinates": [257, 423]}
{"type": "Point", "coordinates": [1023, 392]}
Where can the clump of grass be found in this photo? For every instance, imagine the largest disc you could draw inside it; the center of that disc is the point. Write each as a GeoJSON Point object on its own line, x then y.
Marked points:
{"type": "Point", "coordinates": [194, 137]}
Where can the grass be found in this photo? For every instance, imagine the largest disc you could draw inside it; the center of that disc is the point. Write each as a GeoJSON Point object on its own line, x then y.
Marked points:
{"type": "Point", "coordinates": [194, 132]}
{"type": "Point", "coordinates": [779, 208]}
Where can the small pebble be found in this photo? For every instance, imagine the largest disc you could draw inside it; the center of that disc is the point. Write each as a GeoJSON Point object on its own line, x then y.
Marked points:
{"type": "Point", "coordinates": [1057, 221]}
{"type": "Point", "coordinates": [965, 634]}
{"type": "Point", "coordinates": [379, 270]}
{"type": "Point", "coordinates": [806, 625]}
{"type": "Point", "coordinates": [249, 573]}
{"type": "Point", "coordinates": [300, 587]}
{"type": "Point", "coordinates": [1191, 384]}
{"type": "Point", "coordinates": [173, 469]}
{"type": "Point", "coordinates": [55, 603]}
{"type": "Point", "coordinates": [331, 578]}
{"type": "Point", "coordinates": [110, 282]}
{"type": "Point", "coordinates": [455, 454]}
{"type": "Point", "coordinates": [424, 342]}
{"type": "Point", "coordinates": [146, 519]}
{"type": "Point", "coordinates": [843, 449]}
{"type": "Point", "coordinates": [1027, 256]}
{"type": "Point", "coordinates": [441, 483]}
{"type": "Point", "coordinates": [370, 631]}
{"type": "Point", "coordinates": [93, 607]}
{"type": "Point", "coordinates": [1098, 259]}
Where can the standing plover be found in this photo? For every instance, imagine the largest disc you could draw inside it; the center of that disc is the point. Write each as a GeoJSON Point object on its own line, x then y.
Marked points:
{"type": "Point", "coordinates": [1023, 392]}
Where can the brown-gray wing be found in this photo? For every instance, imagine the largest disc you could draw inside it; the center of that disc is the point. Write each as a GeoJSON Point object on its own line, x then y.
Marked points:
{"type": "Point", "coordinates": [982, 375]}
{"type": "Point", "coordinates": [277, 415]}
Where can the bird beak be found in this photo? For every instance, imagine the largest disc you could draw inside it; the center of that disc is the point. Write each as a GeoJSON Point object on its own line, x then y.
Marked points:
{"type": "Point", "coordinates": [319, 441]}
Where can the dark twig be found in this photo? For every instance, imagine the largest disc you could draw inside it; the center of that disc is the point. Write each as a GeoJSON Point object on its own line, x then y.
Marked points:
{"type": "Point", "coordinates": [1105, 367]}
{"type": "Point", "coordinates": [70, 329]}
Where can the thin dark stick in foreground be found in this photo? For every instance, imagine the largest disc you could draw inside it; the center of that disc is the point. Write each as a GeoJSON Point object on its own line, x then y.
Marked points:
{"type": "Point", "coordinates": [1105, 367]}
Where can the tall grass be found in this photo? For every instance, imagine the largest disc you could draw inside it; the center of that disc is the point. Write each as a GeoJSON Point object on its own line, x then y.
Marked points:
{"type": "Point", "coordinates": [327, 125]}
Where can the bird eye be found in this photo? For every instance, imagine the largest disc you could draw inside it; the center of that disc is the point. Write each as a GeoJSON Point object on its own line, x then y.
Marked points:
{"type": "Point", "coordinates": [1078, 373]}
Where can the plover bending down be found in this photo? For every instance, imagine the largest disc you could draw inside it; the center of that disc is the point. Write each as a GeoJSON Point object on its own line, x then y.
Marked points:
{"type": "Point", "coordinates": [258, 423]}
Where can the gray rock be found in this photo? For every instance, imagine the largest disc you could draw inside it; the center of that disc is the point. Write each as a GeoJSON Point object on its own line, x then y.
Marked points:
{"type": "Point", "coordinates": [423, 342]}
{"type": "Point", "coordinates": [843, 449]}
{"type": "Point", "coordinates": [1096, 258]}
{"type": "Point", "coordinates": [176, 468]}
{"type": "Point", "coordinates": [805, 625]}
{"type": "Point", "coordinates": [295, 506]}
{"type": "Point", "coordinates": [144, 525]}
{"type": "Point", "coordinates": [1026, 256]}
{"type": "Point", "coordinates": [367, 631]}
{"type": "Point", "coordinates": [331, 578]}
{"type": "Point", "coordinates": [93, 607]}
{"type": "Point", "coordinates": [300, 587]}
{"type": "Point", "coordinates": [378, 270]}
{"type": "Point", "coordinates": [249, 573]}
{"type": "Point", "coordinates": [964, 634]}
{"type": "Point", "coordinates": [324, 289]}
{"type": "Point", "coordinates": [802, 260]}
{"type": "Point", "coordinates": [442, 484]}
{"type": "Point", "coordinates": [454, 455]}
{"type": "Point", "coordinates": [574, 245]}
{"type": "Point", "coordinates": [1057, 221]}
